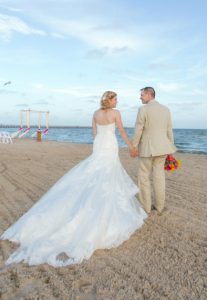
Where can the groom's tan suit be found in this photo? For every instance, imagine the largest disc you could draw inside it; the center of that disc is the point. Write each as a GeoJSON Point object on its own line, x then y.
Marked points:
{"type": "Point", "coordinates": [154, 138]}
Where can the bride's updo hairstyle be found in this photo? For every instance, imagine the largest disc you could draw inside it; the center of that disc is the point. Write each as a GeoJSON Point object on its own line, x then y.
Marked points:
{"type": "Point", "coordinates": [105, 99]}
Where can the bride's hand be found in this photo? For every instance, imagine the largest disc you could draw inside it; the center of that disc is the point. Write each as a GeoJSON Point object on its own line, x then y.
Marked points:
{"type": "Point", "coordinates": [133, 152]}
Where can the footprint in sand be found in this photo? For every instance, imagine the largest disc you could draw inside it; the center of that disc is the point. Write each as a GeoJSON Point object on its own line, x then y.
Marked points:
{"type": "Point", "coordinates": [84, 285]}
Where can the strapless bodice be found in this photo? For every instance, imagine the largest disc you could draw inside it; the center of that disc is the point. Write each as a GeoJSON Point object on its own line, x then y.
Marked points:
{"type": "Point", "coordinates": [105, 142]}
{"type": "Point", "coordinates": [106, 128]}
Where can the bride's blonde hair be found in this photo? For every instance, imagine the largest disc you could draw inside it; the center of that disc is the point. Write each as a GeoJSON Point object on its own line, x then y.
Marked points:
{"type": "Point", "coordinates": [108, 95]}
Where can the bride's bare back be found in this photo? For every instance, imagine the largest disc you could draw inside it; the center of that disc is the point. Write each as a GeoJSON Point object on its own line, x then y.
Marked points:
{"type": "Point", "coordinates": [108, 116]}
{"type": "Point", "coordinates": [104, 117]}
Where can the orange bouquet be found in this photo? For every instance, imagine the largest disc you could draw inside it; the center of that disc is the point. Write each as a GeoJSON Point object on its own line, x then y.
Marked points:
{"type": "Point", "coordinates": [171, 163]}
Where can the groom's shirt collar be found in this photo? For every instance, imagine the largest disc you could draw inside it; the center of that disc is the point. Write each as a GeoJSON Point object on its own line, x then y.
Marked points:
{"type": "Point", "coordinates": [152, 101]}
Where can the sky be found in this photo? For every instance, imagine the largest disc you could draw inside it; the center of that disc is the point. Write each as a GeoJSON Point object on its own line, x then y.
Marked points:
{"type": "Point", "coordinates": [61, 56]}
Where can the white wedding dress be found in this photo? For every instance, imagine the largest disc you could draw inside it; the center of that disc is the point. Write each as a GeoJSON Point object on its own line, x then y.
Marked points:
{"type": "Point", "coordinates": [93, 206]}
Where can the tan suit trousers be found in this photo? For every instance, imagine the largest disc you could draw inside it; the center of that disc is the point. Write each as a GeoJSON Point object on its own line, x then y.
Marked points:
{"type": "Point", "coordinates": [155, 166]}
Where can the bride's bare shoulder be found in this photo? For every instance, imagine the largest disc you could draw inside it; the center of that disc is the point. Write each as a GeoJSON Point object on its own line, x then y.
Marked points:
{"type": "Point", "coordinates": [116, 112]}
{"type": "Point", "coordinates": [96, 112]}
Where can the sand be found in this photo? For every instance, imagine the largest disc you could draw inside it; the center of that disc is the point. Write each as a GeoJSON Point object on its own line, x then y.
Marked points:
{"type": "Point", "coordinates": [165, 259]}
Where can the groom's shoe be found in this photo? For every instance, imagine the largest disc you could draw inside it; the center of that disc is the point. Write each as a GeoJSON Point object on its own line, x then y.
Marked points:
{"type": "Point", "coordinates": [153, 209]}
{"type": "Point", "coordinates": [160, 213]}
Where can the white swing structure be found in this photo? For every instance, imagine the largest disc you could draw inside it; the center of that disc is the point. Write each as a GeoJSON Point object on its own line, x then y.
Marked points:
{"type": "Point", "coordinates": [23, 132]}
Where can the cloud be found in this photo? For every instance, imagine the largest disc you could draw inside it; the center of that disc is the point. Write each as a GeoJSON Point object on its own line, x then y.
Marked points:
{"type": "Point", "coordinates": [187, 104]}
{"type": "Point", "coordinates": [85, 31]}
{"type": "Point", "coordinates": [95, 25]}
{"type": "Point", "coordinates": [21, 105]}
{"type": "Point", "coordinates": [129, 49]}
{"type": "Point", "coordinates": [197, 71]}
{"type": "Point", "coordinates": [78, 110]}
{"type": "Point", "coordinates": [93, 99]}
{"type": "Point", "coordinates": [10, 24]}
{"type": "Point", "coordinates": [75, 91]}
{"type": "Point", "coordinates": [97, 53]}
{"type": "Point", "coordinates": [100, 53]}
{"type": "Point", "coordinates": [43, 102]}
{"type": "Point", "coordinates": [5, 91]}
{"type": "Point", "coordinates": [163, 66]}
{"type": "Point", "coordinates": [12, 9]}
{"type": "Point", "coordinates": [129, 108]}
{"type": "Point", "coordinates": [169, 87]}
{"type": "Point", "coordinates": [105, 51]}
{"type": "Point", "coordinates": [21, 55]}
{"type": "Point", "coordinates": [58, 35]}
{"type": "Point", "coordinates": [141, 78]}
{"type": "Point", "coordinates": [38, 86]}
{"type": "Point", "coordinates": [198, 92]}
{"type": "Point", "coordinates": [98, 25]}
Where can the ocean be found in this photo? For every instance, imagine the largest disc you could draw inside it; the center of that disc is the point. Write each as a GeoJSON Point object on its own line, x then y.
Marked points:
{"type": "Point", "coordinates": [186, 140]}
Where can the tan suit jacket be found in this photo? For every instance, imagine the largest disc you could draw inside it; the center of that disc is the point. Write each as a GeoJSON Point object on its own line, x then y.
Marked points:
{"type": "Point", "coordinates": [153, 130]}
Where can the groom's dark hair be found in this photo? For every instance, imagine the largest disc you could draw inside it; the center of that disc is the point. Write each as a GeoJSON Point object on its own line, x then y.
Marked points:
{"type": "Point", "coordinates": [149, 89]}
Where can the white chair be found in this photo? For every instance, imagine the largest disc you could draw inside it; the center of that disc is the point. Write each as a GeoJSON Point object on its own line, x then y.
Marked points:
{"type": "Point", "coordinates": [5, 137]}
{"type": "Point", "coordinates": [8, 136]}
{"type": "Point", "coordinates": [1, 137]}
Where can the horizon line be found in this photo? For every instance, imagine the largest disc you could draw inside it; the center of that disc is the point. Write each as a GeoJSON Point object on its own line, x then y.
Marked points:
{"type": "Point", "coordinates": [79, 126]}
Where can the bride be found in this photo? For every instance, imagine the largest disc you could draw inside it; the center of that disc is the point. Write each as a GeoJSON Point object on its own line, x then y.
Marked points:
{"type": "Point", "coordinates": [93, 206]}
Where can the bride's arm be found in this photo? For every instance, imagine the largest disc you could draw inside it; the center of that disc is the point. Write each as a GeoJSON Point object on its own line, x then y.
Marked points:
{"type": "Point", "coordinates": [122, 131]}
{"type": "Point", "coordinates": [94, 128]}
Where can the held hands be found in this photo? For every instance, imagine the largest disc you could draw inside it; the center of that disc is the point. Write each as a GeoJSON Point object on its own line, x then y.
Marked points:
{"type": "Point", "coordinates": [133, 152]}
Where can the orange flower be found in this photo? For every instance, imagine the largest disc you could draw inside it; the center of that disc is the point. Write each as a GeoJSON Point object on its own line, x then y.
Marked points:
{"type": "Point", "coordinates": [171, 164]}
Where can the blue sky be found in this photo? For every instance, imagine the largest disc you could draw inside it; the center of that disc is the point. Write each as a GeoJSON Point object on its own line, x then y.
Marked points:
{"type": "Point", "coordinates": [62, 55]}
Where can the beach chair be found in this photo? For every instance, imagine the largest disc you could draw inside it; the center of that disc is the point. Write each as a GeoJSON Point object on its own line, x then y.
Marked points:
{"type": "Point", "coordinates": [1, 137]}
{"type": "Point", "coordinates": [8, 137]}
{"type": "Point", "coordinates": [5, 137]}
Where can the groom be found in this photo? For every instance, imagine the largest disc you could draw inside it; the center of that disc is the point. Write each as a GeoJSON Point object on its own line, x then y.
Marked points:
{"type": "Point", "coordinates": [154, 137]}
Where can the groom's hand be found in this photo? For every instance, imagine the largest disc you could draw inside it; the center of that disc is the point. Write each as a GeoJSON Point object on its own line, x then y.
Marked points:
{"type": "Point", "coordinates": [134, 152]}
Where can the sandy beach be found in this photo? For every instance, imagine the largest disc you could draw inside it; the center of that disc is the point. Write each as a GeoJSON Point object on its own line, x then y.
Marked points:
{"type": "Point", "coordinates": [165, 259]}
